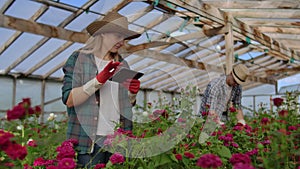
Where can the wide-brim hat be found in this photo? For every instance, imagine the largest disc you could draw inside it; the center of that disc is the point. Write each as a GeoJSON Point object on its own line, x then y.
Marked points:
{"type": "Point", "coordinates": [240, 73]}
{"type": "Point", "coordinates": [113, 22]}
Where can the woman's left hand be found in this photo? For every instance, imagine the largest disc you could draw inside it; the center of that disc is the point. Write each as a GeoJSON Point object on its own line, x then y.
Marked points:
{"type": "Point", "coordinates": [133, 85]}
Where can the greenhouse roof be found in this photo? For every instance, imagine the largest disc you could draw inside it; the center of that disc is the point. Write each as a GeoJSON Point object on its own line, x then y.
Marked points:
{"type": "Point", "coordinates": [183, 41]}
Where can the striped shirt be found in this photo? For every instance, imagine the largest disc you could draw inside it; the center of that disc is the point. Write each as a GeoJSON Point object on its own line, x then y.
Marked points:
{"type": "Point", "coordinates": [215, 96]}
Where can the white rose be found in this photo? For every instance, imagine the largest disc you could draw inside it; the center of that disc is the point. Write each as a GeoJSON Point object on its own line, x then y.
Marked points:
{"type": "Point", "coordinates": [145, 114]}
{"type": "Point", "coordinates": [51, 117]}
{"type": "Point", "coordinates": [20, 127]}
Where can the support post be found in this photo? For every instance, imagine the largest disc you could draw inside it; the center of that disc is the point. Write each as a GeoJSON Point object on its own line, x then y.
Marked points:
{"type": "Point", "coordinates": [276, 88]}
{"type": "Point", "coordinates": [14, 91]}
{"type": "Point", "coordinates": [43, 100]}
{"type": "Point", "coordinates": [229, 47]}
{"type": "Point", "coordinates": [254, 104]}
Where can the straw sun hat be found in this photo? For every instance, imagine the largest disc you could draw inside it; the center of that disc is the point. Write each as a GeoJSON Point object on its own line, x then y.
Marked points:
{"type": "Point", "coordinates": [240, 73]}
{"type": "Point", "coordinates": [113, 22]}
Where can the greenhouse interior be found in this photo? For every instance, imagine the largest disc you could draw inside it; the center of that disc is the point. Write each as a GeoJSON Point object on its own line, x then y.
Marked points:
{"type": "Point", "coordinates": [182, 46]}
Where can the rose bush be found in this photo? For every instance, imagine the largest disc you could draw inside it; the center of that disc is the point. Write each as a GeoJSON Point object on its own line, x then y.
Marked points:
{"type": "Point", "coordinates": [164, 136]}
{"type": "Point", "coordinates": [24, 140]}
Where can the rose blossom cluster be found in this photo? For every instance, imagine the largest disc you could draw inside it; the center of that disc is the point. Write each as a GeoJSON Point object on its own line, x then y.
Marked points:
{"type": "Point", "coordinates": [241, 161]}
{"type": "Point", "coordinates": [117, 158]}
{"type": "Point", "coordinates": [11, 148]}
{"type": "Point", "coordinates": [64, 159]}
{"type": "Point", "coordinates": [228, 140]}
{"type": "Point", "coordinates": [22, 110]}
{"type": "Point", "coordinates": [209, 161]}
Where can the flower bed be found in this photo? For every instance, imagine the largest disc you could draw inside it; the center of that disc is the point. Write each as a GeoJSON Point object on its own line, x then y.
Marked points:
{"type": "Point", "coordinates": [167, 137]}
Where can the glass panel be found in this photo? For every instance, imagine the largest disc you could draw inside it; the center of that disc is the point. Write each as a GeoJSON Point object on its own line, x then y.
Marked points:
{"type": "Point", "coordinates": [103, 7]}
{"type": "Point", "coordinates": [29, 89]}
{"type": "Point", "coordinates": [250, 55]}
{"type": "Point", "coordinates": [132, 8]}
{"type": "Point", "coordinates": [57, 60]}
{"type": "Point", "coordinates": [40, 54]}
{"type": "Point", "coordinates": [53, 91]}
{"type": "Point", "coordinates": [23, 9]}
{"type": "Point", "coordinates": [6, 93]}
{"type": "Point", "coordinates": [174, 21]}
{"type": "Point", "coordinates": [20, 46]}
{"type": "Point", "coordinates": [77, 3]}
{"type": "Point", "coordinates": [53, 16]}
{"type": "Point", "coordinates": [82, 21]}
{"type": "Point", "coordinates": [149, 17]}
{"type": "Point", "coordinates": [5, 34]}
{"type": "Point", "coordinates": [2, 3]}
{"type": "Point", "coordinates": [59, 73]}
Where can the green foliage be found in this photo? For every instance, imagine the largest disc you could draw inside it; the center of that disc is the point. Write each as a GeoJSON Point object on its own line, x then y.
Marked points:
{"type": "Point", "coordinates": [47, 137]}
{"type": "Point", "coordinates": [166, 137]}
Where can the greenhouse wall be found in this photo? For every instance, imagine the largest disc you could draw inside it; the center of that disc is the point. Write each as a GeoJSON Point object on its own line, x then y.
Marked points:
{"type": "Point", "coordinates": [29, 88]}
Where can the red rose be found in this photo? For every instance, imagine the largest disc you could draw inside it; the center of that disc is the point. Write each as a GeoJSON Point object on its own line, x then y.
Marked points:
{"type": "Point", "coordinates": [117, 158]}
{"type": "Point", "coordinates": [209, 161]}
{"type": "Point", "coordinates": [232, 109]}
{"type": "Point", "coordinates": [17, 112]}
{"type": "Point", "coordinates": [178, 156]}
{"type": "Point", "coordinates": [283, 113]}
{"type": "Point", "coordinates": [98, 166]}
{"type": "Point", "coordinates": [161, 112]}
{"type": "Point", "coordinates": [240, 158]}
{"type": "Point", "coordinates": [66, 163]}
{"type": "Point", "coordinates": [189, 155]}
{"type": "Point", "coordinates": [277, 101]}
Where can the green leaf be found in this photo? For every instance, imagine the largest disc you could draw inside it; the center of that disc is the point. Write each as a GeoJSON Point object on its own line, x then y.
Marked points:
{"type": "Point", "coordinates": [172, 156]}
{"type": "Point", "coordinates": [161, 160]}
{"type": "Point", "coordinates": [224, 152]}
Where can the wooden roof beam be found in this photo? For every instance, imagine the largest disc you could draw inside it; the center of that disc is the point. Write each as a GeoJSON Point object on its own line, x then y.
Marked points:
{"type": "Point", "coordinates": [271, 22]}
{"type": "Point", "coordinates": [44, 40]}
{"type": "Point", "coordinates": [286, 4]}
{"type": "Point", "coordinates": [264, 13]}
{"type": "Point", "coordinates": [205, 44]}
{"type": "Point", "coordinates": [6, 6]}
{"type": "Point", "coordinates": [261, 80]}
{"type": "Point", "coordinates": [294, 69]}
{"type": "Point", "coordinates": [192, 64]}
{"type": "Point", "coordinates": [17, 34]}
{"type": "Point", "coordinates": [42, 29]}
{"type": "Point", "coordinates": [215, 31]}
{"type": "Point", "coordinates": [212, 12]}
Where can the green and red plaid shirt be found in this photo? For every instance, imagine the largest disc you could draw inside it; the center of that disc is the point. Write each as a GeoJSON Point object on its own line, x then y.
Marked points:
{"type": "Point", "coordinates": [83, 119]}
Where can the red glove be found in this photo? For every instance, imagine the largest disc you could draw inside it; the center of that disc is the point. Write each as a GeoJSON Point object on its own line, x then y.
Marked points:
{"type": "Point", "coordinates": [107, 72]}
{"type": "Point", "coordinates": [133, 85]}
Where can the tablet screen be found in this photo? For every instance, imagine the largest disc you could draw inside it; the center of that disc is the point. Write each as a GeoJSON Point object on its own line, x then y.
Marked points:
{"type": "Point", "coordinates": [124, 73]}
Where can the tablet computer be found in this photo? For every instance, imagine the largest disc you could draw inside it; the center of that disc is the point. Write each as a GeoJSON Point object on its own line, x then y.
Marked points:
{"type": "Point", "coordinates": [124, 73]}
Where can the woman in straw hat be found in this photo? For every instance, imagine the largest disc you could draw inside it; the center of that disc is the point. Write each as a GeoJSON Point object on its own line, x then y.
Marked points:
{"type": "Point", "coordinates": [95, 104]}
{"type": "Point", "coordinates": [223, 91]}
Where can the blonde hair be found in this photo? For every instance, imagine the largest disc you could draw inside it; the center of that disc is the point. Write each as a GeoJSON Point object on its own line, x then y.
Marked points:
{"type": "Point", "coordinates": [95, 44]}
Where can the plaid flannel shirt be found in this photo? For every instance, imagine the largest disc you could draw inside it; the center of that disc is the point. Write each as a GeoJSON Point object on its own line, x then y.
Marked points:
{"type": "Point", "coordinates": [215, 96]}
{"type": "Point", "coordinates": [83, 119]}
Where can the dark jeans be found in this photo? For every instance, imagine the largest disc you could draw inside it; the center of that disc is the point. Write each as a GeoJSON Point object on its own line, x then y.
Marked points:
{"type": "Point", "coordinates": [98, 156]}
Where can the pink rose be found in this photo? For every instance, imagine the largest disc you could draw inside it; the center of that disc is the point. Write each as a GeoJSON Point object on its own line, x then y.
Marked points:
{"type": "Point", "coordinates": [209, 161]}
{"type": "Point", "coordinates": [117, 158]}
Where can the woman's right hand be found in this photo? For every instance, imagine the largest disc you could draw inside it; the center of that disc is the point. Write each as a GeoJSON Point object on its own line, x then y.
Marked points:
{"type": "Point", "coordinates": [107, 72]}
